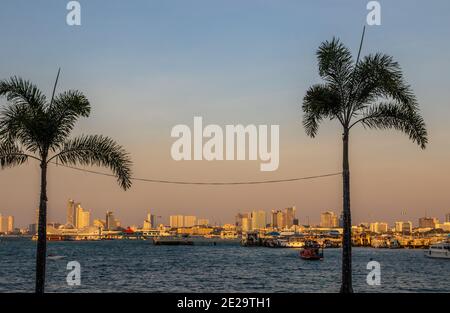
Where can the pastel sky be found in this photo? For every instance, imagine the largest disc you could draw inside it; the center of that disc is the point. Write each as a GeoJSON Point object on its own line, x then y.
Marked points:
{"type": "Point", "coordinates": [149, 65]}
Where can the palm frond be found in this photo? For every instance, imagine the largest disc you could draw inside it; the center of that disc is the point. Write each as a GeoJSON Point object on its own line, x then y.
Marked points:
{"type": "Point", "coordinates": [18, 90]}
{"type": "Point", "coordinates": [11, 154]}
{"type": "Point", "coordinates": [19, 122]}
{"type": "Point", "coordinates": [394, 116]}
{"type": "Point", "coordinates": [320, 102]}
{"type": "Point", "coordinates": [66, 108]}
{"type": "Point", "coordinates": [97, 150]}
{"type": "Point", "coordinates": [335, 64]}
{"type": "Point", "coordinates": [378, 75]}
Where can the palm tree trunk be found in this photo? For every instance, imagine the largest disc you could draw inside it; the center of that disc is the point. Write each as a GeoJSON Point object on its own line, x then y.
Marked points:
{"type": "Point", "coordinates": [346, 286]}
{"type": "Point", "coordinates": [41, 253]}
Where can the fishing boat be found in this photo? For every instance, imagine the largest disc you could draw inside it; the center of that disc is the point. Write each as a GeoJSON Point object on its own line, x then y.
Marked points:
{"type": "Point", "coordinates": [311, 251]}
{"type": "Point", "coordinates": [440, 250]}
{"type": "Point", "coordinates": [172, 241]}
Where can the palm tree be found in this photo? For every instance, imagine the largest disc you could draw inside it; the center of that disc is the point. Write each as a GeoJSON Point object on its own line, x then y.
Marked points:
{"type": "Point", "coordinates": [370, 92]}
{"type": "Point", "coordinates": [33, 128]}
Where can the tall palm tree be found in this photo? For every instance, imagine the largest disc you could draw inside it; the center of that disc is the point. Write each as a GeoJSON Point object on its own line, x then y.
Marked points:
{"type": "Point", "coordinates": [370, 92]}
{"type": "Point", "coordinates": [33, 128]}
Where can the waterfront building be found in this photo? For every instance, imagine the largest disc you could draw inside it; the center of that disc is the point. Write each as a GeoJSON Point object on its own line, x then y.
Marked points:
{"type": "Point", "coordinates": [428, 222]}
{"type": "Point", "coordinates": [98, 223]}
{"type": "Point", "coordinates": [32, 229]}
{"type": "Point", "coordinates": [328, 220]}
{"type": "Point", "coordinates": [176, 221]}
{"type": "Point", "coordinates": [290, 216]}
{"type": "Point", "coordinates": [246, 224]}
{"type": "Point", "coordinates": [379, 228]}
{"type": "Point", "coordinates": [71, 213]}
{"type": "Point", "coordinates": [445, 226]}
{"type": "Point", "coordinates": [82, 217]}
{"type": "Point", "coordinates": [6, 224]}
{"type": "Point", "coordinates": [3, 224]}
{"type": "Point", "coordinates": [273, 220]}
{"type": "Point", "coordinates": [403, 227]}
{"type": "Point", "coordinates": [152, 219]}
{"type": "Point", "coordinates": [240, 220]}
{"type": "Point", "coordinates": [150, 222]}
{"type": "Point", "coordinates": [258, 220]}
{"type": "Point", "coordinates": [281, 220]}
{"type": "Point", "coordinates": [10, 226]}
{"type": "Point", "coordinates": [111, 222]}
{"type": "Point", "coordinates": [189, 221]}
{"type": "Point", "coordinates": [229, 227]}
{"type": "Point", "coordinates": [76, 216]}
{"type": "Point", "coordinates": [341, 220]}
{"type": "Point", "coordinates": [277, 219]}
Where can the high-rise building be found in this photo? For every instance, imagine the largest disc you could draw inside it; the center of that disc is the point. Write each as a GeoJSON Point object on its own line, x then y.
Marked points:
{"type": "Point", "coordinates": [403, 227]}
{"type": "Point", "coordinates": [243, 221]}
{"type": "Point", "coordinates": [281, 220]}
{"type": "Point", "coordinates": [379, 228]}
{"type": "Point", "coordinates": [82, 217]}
{"type": "Point", "coordinates": [328, 220]}
{"type": "Point", "coordinates": [10, 226]}
{"type": "Point", "coordinates": [176, 221]}
{"type": "Point", "coordinates": [341, 220]}
{"type": "Point", "coordinates": [71, 212]}
{"type": "Point", "coordinates": [150, 222]}
{"type": "Point", "coordinates": [3, 224]}
{"type": "Point", "coordinates": [189, 221]}
{"type": "Point", "coordinates": [258, 219]}
{"type": "Point", "coordinates": [273, 219]}
{"type": "Point", "coordinates": [152, 219]}
{"type": "Point", "coordinates": [6, 224]}
{"type": "Point", "coordinates": [290, 216]}
{"type": "Point", "coordinates": [246, 224]}
{"type": "Point", "coordinates": [447, 218]}
{"type": "Point", "coordinates": [428, 222]}
{"type": "Point", "coordinates": [110, 221]}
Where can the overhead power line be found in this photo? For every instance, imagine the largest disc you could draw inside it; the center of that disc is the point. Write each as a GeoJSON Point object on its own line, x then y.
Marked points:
{"type": "Point", "coordinates": [175, 182]}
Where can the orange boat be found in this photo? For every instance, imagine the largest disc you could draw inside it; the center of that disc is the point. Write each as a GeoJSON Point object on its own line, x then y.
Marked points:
{"type": "Point", "coordinates": [312, 251]}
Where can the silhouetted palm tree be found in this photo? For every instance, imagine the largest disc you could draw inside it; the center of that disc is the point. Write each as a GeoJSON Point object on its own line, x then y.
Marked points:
{"type": "Point", "coordinates": [33, 128]}
{"type": "Point", "coordinates": [370, 92]}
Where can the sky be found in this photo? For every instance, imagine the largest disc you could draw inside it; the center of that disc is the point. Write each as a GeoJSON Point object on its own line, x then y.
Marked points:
{"type": "Point", "coordinates": [147, 66]}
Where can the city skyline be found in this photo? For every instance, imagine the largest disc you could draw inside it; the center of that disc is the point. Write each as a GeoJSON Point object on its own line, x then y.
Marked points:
{"type": "Point", "coordinates": [250, 69]}
{"type": "Point", "coordinates": [327, 218]}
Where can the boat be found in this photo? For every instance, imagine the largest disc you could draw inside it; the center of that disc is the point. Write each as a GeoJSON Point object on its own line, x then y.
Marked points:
{"type": "Point", "coordinates": [55, 257]}
{"type": "Point", "coordinates": [439, 250]}
{"type": "Point", "coordinates": [172, 241]}
{"type": "Point", "coordinates": [311, 251]}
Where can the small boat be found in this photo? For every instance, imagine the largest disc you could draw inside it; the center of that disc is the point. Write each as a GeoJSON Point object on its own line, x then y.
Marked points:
{"type": "Point", "coordinates": [439, 251]}
{"type": "Point", "coordinates": [311, 251]}
{"type": "Point", "coordinates": [55, 257]}
{"type": "Point", "coordinates": [172, 241]}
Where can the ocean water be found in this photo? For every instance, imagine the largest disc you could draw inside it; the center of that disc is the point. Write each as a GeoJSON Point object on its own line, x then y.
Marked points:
{"type": "Point", "coordinates": [138, 266]}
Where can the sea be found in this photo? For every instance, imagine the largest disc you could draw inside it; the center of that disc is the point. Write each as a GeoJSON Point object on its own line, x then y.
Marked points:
{"type": "Point", "coordinates": [139, 266]}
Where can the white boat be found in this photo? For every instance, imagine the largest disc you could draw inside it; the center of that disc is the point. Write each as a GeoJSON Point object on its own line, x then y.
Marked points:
{"type": "Point", "coordinates": [439, 251]}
